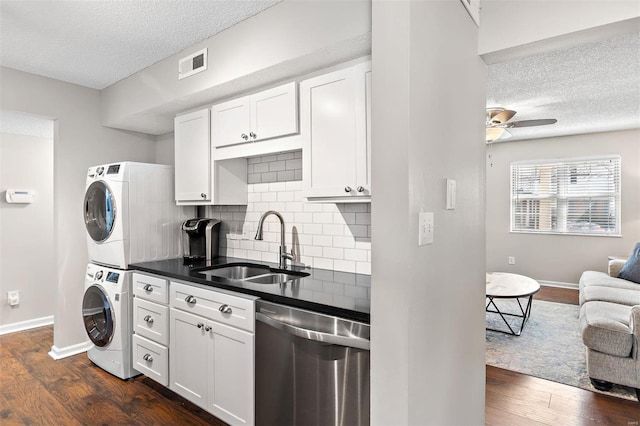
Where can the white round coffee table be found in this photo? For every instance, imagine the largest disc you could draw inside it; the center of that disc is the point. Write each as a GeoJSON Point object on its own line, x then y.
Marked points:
{"type": "Point", "coordinates": [502, 285]}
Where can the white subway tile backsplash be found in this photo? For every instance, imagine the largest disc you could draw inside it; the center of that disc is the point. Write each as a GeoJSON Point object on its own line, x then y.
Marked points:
{"type": "Point", "coordinates": [333, 253]}
{"type": "Point", "coordinates": [323, 218]}
{"type": "Point", "coordinates": [333, 229]}
{"type": "Point", "coordinates": [324, 236]}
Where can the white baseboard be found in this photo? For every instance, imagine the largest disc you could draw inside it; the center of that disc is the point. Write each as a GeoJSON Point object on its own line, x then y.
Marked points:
{"type": "Point", "coordinates": [571, 286]}
{"type": "Point", "coordinates": [59, 353]}
{"type": "Point", "coordinates": [26, 325]}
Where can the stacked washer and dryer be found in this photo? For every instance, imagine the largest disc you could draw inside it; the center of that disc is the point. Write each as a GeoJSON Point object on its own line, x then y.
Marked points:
{"type": "Point", "coordinates": [130, 216]}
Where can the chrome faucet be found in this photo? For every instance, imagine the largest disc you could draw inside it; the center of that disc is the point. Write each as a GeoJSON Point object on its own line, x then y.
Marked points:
{"type": "Point", "coordinates": [283, 255]}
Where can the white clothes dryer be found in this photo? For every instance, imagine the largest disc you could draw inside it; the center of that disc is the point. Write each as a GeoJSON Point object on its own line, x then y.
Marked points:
{"type": "Point", "coordinates": [131, 215]}
{"type": "Point", "coordinates": [107, 308]}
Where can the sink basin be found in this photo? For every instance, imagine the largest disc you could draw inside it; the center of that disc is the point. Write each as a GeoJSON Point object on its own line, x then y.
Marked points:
{"type": "Point", "coordinates": [237, 272]}
{"type": "Point", "coordinates": [258, 274]}
{"type": "Point", "coordinates": [277, 278]}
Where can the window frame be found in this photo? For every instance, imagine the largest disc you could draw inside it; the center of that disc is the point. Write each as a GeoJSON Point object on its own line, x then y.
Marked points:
{"type": "Point", "coordinates": [560, 200]}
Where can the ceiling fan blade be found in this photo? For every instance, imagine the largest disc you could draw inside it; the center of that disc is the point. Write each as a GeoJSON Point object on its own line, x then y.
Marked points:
{"type": "Point", "coordinates": [529, 123]}
{"type": "Point", "coordinates": [501, 117]}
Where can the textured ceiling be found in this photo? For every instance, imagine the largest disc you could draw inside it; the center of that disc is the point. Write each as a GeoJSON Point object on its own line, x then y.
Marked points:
{"type": "Point", "coordinates": [95, 43]}
{"type": "Point", "coordinates": [588, 88]}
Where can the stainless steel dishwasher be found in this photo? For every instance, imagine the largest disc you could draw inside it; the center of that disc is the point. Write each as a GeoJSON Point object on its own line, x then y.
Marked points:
{"type": "Point", "coordinates": [311, 369]}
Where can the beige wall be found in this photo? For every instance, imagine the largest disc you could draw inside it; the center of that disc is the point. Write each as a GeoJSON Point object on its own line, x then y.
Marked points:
{"type": "Point", "coordinates": [427, 314]}
{"type": "Point", "coordinates": [80, 141]}
{"type": "Point", "coordinates": [559, 258]}
{"type": "Point", "coordinates": [26, 230]}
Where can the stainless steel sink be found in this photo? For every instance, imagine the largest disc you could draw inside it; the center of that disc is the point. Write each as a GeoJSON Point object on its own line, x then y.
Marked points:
{"type": "Point", "coordinates": [258, 274]}
{"type": "Point", "coordinates": [237, 272]}
{"type": "Point", "coordinates": [272, 278]}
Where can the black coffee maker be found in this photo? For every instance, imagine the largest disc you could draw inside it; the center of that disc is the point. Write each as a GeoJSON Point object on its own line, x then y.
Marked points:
{"type": "Point", "coordinates": [200, 239]}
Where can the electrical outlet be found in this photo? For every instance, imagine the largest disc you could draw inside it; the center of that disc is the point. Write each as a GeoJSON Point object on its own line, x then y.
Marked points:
{"type": "Point", "coordinates": [512, 260]}
{"type": "Point", "coordinates": [425, 228]}
{"type": "Point", "coordinates": [13, 298]}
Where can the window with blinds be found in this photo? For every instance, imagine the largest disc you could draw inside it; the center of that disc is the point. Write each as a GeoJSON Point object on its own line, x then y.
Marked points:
{"type": "Point", "coordinates": [566, 196]}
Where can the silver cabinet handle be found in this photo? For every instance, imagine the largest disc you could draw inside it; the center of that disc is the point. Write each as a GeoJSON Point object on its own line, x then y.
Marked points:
{"type": "Point", "coordinates": [190, 300]}
{"type": "Point", "coordinates": [253, 135]}
{"type": "Point", "coordinates": [225, 309]}
{"type": "Point", "coordinates": [360, 189]}
{"type": "Point", "coordinates": [200, 325]}
{"type": "Point", "coordinates": [148, 288]}
{"type": "Point", "coordinates": [203, 195]}
{"type": "Point", "coordinates": [149, 319]}
{"type": "Point", "coordinates": [147, 357]}
{"type": "Point", "coordinates": [244, 136]}
{"type": "Point", "coordinates": [207, 328]}
{"type": "Point", "coordinates": [347, 189]}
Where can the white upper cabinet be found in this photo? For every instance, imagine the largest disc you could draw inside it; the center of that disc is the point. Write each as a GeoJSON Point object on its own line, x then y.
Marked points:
{"type": "Point", "coordinates": [192, 157]}
{"type": "Point", "coordinates": [335, 127]}
{"type": "Point", "coordinates": [199, 179]}
{"type": "Point", "coordinates": [265, 115]}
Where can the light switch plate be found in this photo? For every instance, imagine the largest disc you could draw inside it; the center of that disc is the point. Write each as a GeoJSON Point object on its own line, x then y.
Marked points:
{"type": "Point", "coordinates": [451, 194]}
{"type": "Point", "coordinates": [425, 228]}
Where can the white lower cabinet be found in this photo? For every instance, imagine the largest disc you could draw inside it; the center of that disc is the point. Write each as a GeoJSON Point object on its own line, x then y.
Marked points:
{"type": "Point", "coordinates": [211, 363]}
{"type": "Point", "coordinates": [151, 327]}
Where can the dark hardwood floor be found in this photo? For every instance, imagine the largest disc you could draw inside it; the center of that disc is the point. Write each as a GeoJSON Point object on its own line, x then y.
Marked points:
{"type": "Point", "coordinates": [36, 390]}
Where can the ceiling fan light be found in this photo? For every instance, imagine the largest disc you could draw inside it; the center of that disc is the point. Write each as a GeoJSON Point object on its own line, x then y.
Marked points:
{"type": "Point", "coordinates": [494, 133]}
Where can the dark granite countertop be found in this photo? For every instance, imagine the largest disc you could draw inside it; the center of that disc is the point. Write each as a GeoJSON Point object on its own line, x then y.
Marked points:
{"type": "Point", "coordinates": [336, 293]}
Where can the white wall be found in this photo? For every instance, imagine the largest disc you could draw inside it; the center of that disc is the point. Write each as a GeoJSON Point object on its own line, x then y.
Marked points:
{"type": "Point", "coordinates": [26, 230]}
{"type": "Point", "coordinates": [291, 38]}
{"type": "Point", "coordinates": [515, 26]}
{"type": "Point", "coordinates": [560, 258]}
{"type": "Point", "coordinates": [165, 153]}
{"type": "Point", "coordinates": [80, 141]}
{"type": "Point", "coordinates": [427, 313]}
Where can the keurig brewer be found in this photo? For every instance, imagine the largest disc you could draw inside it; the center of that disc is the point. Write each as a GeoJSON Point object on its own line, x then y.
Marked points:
{"type": "Point", "coordinates": [200, 238]}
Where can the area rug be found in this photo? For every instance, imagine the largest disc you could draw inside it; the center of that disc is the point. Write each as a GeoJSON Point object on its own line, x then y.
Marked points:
{"type": "Point", "coordinates": [550, 347]}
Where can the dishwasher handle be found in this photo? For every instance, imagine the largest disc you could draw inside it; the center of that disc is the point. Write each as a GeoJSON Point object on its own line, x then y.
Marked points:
{"type": "Point", "coordinates": [352, 342]}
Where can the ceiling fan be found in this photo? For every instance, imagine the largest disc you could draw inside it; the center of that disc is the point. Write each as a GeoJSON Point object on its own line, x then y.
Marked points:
{"type": "Point", "coordinates": [498, 122]}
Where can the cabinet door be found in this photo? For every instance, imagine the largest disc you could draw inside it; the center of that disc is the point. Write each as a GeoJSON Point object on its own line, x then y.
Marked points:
{"type": "Point", "coordinates": [192, 156]}
{"type": "Point", "coordinates": [188, 357]}
{"type": "Point", "coordinates": [328, 125]}
{"type": "Point", "coordinates": [231, 376]}
{"type": "Point", "coordinates": [274, 112]}
{"type": "Point", "coordinates": [231, 122]}
{"type": "Point", "coordinates": [363, 140]}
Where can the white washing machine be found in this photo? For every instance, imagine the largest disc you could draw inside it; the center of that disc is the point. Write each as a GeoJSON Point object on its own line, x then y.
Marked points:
{"type": "Point", "coordinates": [131, 215]}
{"type": "Point", "coordinates": [107, 308]}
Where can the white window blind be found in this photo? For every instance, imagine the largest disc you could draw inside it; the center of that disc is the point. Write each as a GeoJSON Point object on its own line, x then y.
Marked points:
{"type": "Point", "coordinates": [566, 196]}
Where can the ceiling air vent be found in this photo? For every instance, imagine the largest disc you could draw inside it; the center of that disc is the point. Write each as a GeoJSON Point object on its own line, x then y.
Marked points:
{"type": "Point", "coordinates": [192, 64]}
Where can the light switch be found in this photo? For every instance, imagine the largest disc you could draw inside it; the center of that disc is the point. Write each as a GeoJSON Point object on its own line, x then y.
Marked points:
{"type": "Point", "coordinates": [425, 228]}
{"type": "Point", "coordinates": [451, 194]}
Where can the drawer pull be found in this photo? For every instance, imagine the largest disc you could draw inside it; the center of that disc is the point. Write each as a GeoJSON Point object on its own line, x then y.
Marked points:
{"type": "Point", "coordinates": [190, 300]}
{"type": "Point", "coordinates": [200, 325]}
{"type": "Point", "coordinates": [149, 319]}
{"type": "Point", "coordinates": [147, 287]}
{"type": "Point", "coordinates": [207, 328]}
{"type": "Point", "coordinates": [225, 309]}
{"type": "Point", "coordinates": [147, 357]}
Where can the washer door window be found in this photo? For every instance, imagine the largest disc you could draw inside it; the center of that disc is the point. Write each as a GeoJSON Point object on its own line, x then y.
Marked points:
{"type": "Point", "coordinates": [99, 211]}
{"type": "Point", "coordinates": [97, 314]}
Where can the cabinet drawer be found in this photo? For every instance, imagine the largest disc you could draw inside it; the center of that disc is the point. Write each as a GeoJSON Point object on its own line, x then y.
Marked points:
{"type": "Point", "coordinates": [151, 320]}
{"type": "Point", "coordinates": [151, 359]}
{"type": "Point", "coordinates": [150, 288]}
{"type": "Point", "coordinates": [239, 312]}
